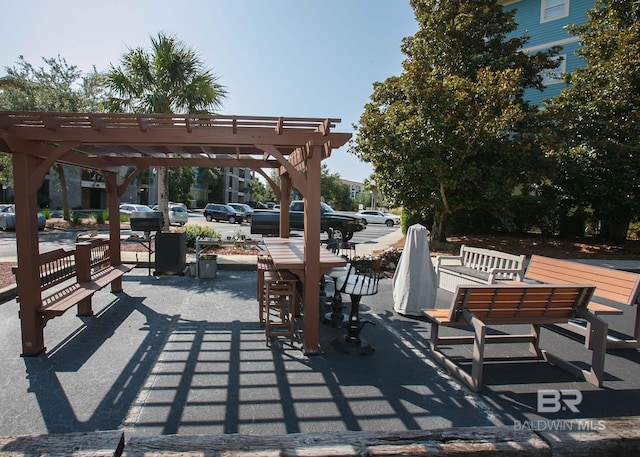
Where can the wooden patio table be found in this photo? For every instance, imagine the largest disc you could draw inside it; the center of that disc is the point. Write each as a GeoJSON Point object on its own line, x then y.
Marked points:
{"type": "Point", "coordinates": [288, 255]}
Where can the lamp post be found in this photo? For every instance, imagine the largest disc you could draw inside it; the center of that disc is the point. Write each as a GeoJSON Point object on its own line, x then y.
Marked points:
{"type": "Point", "coordinates": [154, 186]}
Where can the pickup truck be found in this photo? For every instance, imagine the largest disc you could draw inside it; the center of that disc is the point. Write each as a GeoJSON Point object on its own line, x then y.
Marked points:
{"type": "Point", "coordinates": [339, 226]}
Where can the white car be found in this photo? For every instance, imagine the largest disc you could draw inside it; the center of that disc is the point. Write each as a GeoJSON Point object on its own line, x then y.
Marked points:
{"type": "Point", "coordinates": [378, 217]}
{"type": "Point", "coordinates": [128, 208]}
{"type": "Point", "coordinates": [8, 218]}
{"type": "Point", "coordinates": [177, 213]}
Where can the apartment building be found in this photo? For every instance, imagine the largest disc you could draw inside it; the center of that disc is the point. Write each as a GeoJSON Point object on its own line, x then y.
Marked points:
{"type": "Point", "coordinates": [87, 190]}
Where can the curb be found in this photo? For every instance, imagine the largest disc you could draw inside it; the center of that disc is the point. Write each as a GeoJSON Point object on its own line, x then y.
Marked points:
{"type": "Point", "coordinates": [611, 436]}
{"type": "Point", "coordinates": [9, 292]}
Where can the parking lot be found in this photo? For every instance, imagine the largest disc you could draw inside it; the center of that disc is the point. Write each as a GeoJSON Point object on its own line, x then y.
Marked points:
{"type": "Point", "coordinates": [53, 239]}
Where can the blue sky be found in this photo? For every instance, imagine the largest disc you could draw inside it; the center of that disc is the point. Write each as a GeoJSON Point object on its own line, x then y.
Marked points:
{"type": "Point", "coordinates": [312, 58]}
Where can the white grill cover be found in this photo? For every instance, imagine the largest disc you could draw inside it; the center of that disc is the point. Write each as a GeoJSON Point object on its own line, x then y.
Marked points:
{"type": "Point", "coordinates": [414, 282]}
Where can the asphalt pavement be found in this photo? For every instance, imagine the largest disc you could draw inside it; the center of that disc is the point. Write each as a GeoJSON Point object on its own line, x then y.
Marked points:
{"type": "Point", "coordinates": [182, 355]}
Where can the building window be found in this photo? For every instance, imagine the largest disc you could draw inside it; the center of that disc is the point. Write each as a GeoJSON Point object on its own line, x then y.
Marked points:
{"type": "Point", "coordinates": [554, 9]}
{"type": "Point", "coordinates": [554, 76]}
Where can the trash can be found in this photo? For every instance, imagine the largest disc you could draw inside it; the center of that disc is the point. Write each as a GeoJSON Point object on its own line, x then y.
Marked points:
{"type": "Point", "coordinates": [171, 252]}
{"type": "Point", "coordinates": [208, 266]}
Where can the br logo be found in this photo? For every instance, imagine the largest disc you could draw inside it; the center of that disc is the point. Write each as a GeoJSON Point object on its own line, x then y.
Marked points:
{"type": "Point", "coordinates": [552, 401]}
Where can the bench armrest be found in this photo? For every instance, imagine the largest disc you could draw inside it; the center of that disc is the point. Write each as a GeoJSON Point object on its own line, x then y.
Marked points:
{"type": "Point", "coordinates": [448, 260]}
{"type": "Point", "coordinates": [517, 272]}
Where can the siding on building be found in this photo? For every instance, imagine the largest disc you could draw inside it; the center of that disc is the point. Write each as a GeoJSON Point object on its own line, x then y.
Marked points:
{"type": "Point", "coordinates": [544, 34]}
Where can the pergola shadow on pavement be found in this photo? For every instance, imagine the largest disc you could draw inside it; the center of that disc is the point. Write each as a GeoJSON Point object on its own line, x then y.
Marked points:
{"type": "Point", "coordinates": [183, 356]}
{"type": "Point", "coordinates": [106, 142]}
{"type": "Point", "coordinates": [198, 364]}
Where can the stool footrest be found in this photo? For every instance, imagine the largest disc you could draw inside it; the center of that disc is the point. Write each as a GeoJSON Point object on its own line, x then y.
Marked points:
{"type": "Point", "coordinates": [280, 297]}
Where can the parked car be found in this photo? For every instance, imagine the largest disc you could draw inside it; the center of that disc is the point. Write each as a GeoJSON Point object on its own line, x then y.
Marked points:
{"type": "Point", "coordinates": [246, 210]}
{"type": "Point", "coordinates": [8, 218]}
{"type": "Point", "coordinates": [128, 208]}
{"type": "Point", "coordinates": [339, 226]}
{"type": "Point", "coordinates": [378, 217]}
{"type": "Point", "coordinates": [177, 213]}
{"type": "Point", "coordinates": [257, 205]}
{"type": "Point", "coordinates": [219, 212]}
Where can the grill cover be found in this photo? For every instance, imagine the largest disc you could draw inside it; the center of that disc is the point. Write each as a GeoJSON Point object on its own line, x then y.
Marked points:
{"type": "Point", "coordinates": [146, 221]}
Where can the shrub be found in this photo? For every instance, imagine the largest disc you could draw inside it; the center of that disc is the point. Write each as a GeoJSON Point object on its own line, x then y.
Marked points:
{"type": "Point", "coordinates": [101, 217]}
{"type": "Point", "coordinates": [47, 213]}
{"type": "Point", "coordinates": [194, 231]}
{"type": "Point", "coordinates": [75, 218]}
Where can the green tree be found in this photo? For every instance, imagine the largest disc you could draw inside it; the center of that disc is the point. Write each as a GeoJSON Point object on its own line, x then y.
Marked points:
{"type": "Point", "coordinates": [168, 78]}
{"type": "Point", "coordinates": [260, 192]}
{"type": "Point", "coordinates": [595, 122]}
{"type": "Point", "coordinates": [57, 86]}
{"type": "Point", "coordinates": [447, 134]}
{"type": "Point", "coordinates": [182, 178]}
{"type": "Point", "coordinates": [335, 192]}
{"type": "Point", "coordinates": [211, 179]}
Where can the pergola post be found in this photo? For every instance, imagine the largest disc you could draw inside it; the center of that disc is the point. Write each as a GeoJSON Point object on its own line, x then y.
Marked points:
{"type": "Point", "coordinates": [311, 332]}
{"type": "Point", "coordinates": [113, 192]}
{"type": "Point", "coordinates": [28, 250]}
{"type": "Point", "coordinates": [285, 199]}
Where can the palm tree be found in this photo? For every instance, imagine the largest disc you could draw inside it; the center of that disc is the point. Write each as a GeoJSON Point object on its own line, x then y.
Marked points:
{"type": "Point", "coordinates": [168, 78]}
{"type": "Point", "coordinates": [371, 185]}
{"type": "Point", "coordinates": [211, 179]}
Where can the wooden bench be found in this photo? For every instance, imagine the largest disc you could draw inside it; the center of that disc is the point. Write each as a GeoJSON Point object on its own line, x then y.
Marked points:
{"type": "Point", "coordinates": [615, 290]}
{"type": "Point", "coordinates": [74, 276]}
{"type": "Point", "coordinates": [535, 305]}
{"type": "Point", "coordinates": [477, 266]}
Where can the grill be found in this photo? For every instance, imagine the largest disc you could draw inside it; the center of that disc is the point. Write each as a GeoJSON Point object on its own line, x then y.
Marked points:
{"type": "Point", "coordinates": [146, 221]}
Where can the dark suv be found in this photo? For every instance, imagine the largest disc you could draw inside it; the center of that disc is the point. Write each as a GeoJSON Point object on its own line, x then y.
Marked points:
{"type": "Point", "coordinates": [218, 212]}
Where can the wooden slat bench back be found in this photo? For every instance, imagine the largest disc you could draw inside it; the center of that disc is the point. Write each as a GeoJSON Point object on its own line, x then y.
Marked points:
{"type": "Point", "coordinates": [488, 259]}
{"type": "Point", "coordinates": [615, 290]}
{"type": "Point", "coordinates": [512, 303]}
{"type": "Point", "coordinates": [615, 285]}
{"type": "Point", "coordinates": [57, 267]}
{"type": "Point", "coordinates": [100, 257]}
{"type": "Point", "coordinates": [477, 266]}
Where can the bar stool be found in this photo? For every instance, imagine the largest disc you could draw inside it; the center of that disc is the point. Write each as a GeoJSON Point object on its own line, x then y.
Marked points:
{"type": "Point", "coordinates": [347, 250]}
{"type": "Point", "coordinates": [265, 264]}
{"type": "Point", "coordinates": [362, 279]}
{"type": "Point", "coordinates": [336, 317]}
{"type": "Point", "coordinates": [280, 302]}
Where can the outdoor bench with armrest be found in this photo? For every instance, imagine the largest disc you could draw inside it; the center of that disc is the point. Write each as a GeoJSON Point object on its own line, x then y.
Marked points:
{"type": "Point", "coordinates": [615, 290]}
{"type": "Point", "coordinates": [76, 275]}
{"type": "Point", "coordinates": [481, 306]}
{"type": "Point", "coordinates": [477, 266]}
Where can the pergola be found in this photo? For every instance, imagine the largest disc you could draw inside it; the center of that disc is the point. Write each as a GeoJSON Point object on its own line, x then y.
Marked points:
{"type": "Point", "coordinates": [106, 142]}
